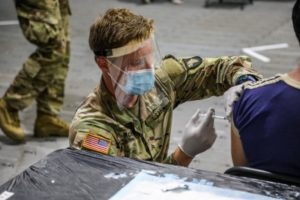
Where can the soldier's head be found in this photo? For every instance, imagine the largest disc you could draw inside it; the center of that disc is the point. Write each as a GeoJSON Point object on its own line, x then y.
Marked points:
{"type": "Point", "coordinates": [125, 51]}
{"type": "Point", "coordinates": [296, 19]}
{"type": "Point", "coordinates": [116, 28]}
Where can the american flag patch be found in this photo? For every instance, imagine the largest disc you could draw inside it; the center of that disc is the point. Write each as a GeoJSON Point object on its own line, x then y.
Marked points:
{"type": "Point", "coordinates": [96, 143]}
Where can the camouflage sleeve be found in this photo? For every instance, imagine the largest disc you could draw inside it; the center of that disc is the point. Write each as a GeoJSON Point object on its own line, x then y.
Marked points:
{"type": "Point", "coordinates": [44, 23]}
{"type": "Point", "coordinates": [48, 11]}
{"type": "Point", "coordinates": [82, 133]}
{"type": "Point", "coordinates": [195, 78]}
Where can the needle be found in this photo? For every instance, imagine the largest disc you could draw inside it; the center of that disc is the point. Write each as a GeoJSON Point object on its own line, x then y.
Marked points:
{"type": "Point", "coordinates": [215, 116]}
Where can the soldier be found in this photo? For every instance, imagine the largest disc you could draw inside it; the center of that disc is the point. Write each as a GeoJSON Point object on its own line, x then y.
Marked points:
{"type": "Point", "coordinates": [130, 112]}
{"type": "Point", "coordinates": [45, 24]}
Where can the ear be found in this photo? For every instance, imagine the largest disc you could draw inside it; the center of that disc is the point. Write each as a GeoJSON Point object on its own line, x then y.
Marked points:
{"type": "Point", "coordinates": [102, 63]}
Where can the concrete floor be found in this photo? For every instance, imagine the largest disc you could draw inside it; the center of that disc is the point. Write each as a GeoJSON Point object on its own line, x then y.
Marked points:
{"type": "Point", "coordinates": [186, 30]}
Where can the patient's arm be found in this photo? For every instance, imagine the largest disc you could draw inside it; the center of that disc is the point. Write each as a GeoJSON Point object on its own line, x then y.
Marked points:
{"type": "Point", "coordinates": [237, 150]}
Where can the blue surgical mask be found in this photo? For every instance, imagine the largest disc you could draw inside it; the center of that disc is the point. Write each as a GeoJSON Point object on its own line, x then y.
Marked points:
{"type": "Point", "coordinates": [139, 82]}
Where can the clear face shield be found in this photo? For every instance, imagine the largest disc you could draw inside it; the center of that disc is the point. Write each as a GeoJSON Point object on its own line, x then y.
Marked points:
{"type": "Point", "coordinates": [132, 71]}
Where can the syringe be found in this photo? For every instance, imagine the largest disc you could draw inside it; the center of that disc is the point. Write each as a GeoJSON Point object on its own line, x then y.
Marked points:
{"type": "Point", "coordinates": [215, 116]}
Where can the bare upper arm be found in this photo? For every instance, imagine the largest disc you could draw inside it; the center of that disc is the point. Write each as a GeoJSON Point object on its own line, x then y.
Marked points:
{"type": "Point", "coordinates": [237, 150]}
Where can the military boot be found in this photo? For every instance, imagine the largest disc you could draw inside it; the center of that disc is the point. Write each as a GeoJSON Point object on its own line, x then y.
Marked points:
{"type": "Point", "coordinates": [177, 2]}
{"type": "Point", "coordinates": [10, 122]}
{"type": "Point", "coordinates": [48, 125]}
{"type": "Point", "coordinates": [146, 1]}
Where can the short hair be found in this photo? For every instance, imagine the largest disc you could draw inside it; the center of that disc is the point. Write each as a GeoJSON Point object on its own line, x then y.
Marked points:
{"type": "Point", "coordinates": [118, 27]}
{"type": "Point", "coordinates": [296, 19]}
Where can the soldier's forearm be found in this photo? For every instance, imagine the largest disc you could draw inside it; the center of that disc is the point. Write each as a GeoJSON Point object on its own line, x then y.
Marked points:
{"type": "Point", "coordinates": [232, 69]}
{"type": "Point", "coordinates": [181, 158]}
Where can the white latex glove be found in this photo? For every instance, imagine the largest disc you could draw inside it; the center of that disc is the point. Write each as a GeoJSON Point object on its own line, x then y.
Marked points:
{"type": "Point", "coordinates": [199, 135]}
{"type": "Point", "coordinates": [231, 95]}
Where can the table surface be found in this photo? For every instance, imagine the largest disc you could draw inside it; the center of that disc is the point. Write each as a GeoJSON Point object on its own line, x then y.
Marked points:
{"type": "Point", "coordinates": [185, 30]}
{"type": "Point", "coordinates": [75, 174]}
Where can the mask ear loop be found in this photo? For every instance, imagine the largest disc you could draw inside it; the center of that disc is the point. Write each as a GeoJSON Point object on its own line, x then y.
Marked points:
{"type": "Point", "coordinates": [119, 76]}
{"type": "Point", "coordinates": [116, 83]}
{"type": "Point", "coordinates": [118, 79]}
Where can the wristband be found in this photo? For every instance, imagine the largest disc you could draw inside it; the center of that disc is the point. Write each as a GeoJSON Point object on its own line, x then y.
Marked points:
{"type": "Point", "coordinates": [245, 78]}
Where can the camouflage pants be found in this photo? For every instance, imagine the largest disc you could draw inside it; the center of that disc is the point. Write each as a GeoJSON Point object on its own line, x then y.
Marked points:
{"type": "Point", "coordinates": [45, 23]}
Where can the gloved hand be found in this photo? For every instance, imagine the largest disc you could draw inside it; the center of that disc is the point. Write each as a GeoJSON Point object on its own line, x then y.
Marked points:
{"type": "Point", "coordinates": [231, 95]}
{"type": "Point", "coordinates": [199, 135]}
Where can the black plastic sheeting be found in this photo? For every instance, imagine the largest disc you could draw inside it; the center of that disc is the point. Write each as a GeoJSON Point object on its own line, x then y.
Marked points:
{"type": "Point", "coordinates": [74, 174]}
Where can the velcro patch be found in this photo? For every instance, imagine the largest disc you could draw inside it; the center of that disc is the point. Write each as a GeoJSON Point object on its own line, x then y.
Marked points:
{"type": "Point", "coordinates": [96, 143]}
{"type": "Point", "coordinates": [193, 61]}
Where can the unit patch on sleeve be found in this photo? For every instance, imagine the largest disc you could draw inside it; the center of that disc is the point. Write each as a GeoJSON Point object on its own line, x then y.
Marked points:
{"type": "Point", "coordinates": [96, 143]}
{"type": "Point", "coordinates": [192, 61]}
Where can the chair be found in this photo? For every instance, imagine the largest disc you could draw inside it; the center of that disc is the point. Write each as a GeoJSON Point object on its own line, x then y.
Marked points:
{"type": "Point", "coordinates": [262, 175]}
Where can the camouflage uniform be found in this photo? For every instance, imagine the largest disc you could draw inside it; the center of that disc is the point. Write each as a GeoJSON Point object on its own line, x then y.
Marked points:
{"type": "Point", "coordinates": [45, 23]}
{"type": "Point", "coordinates": [144, 132]}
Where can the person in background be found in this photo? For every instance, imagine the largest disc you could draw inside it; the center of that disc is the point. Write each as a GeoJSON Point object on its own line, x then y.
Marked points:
{"type": "Point", "coordinates": [266, 120]}
{"type": "Point", "coordinates": [130, 112]}
{"type": "Point", "coordinates": [176, 2]}
{"type": "Point", "coordinates": [45, 24]}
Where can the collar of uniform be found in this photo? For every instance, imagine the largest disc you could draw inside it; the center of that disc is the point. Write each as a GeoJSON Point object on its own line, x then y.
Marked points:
{"type": "Point", "coordinates": [121, 116]}
{"type": "Point", "coordinates": [150, 105]}
{"type": "Point", "coordinates": [107, 98]}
